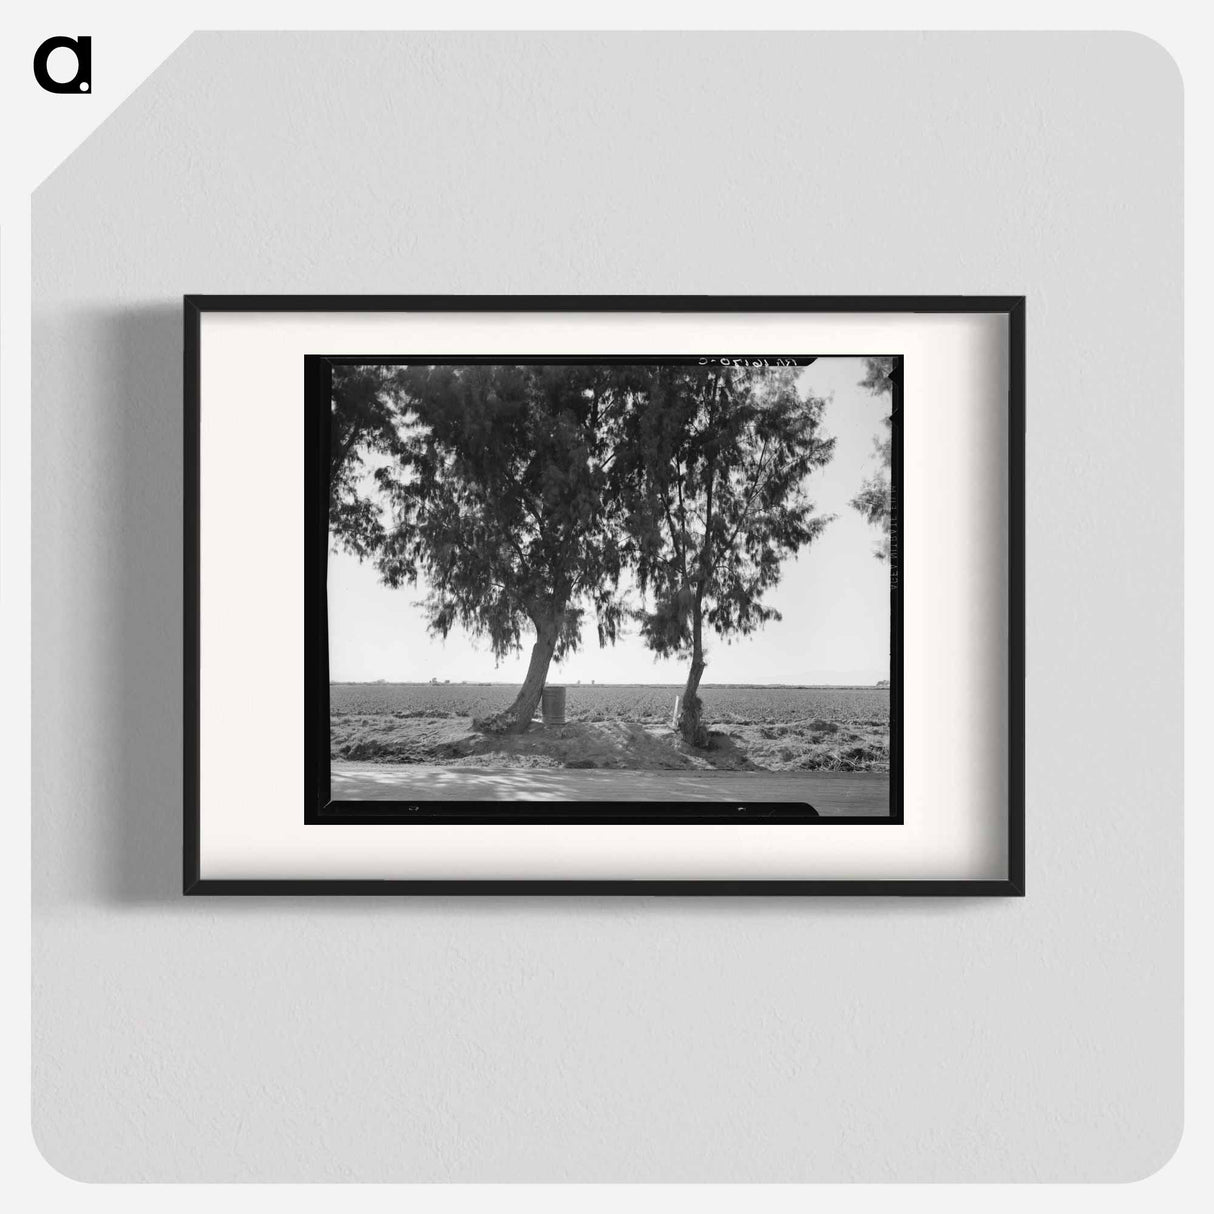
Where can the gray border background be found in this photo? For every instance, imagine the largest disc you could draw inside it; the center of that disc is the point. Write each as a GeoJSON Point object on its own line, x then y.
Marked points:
{"type": "Point", "coordinates": [627, 1039]}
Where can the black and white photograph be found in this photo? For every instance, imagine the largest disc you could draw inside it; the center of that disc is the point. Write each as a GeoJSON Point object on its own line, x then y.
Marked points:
{"type": "Point", "coordinates": [646, 589]}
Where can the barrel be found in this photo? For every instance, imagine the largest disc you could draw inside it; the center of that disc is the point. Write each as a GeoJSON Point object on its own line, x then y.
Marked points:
{"type": "Point", "coordinates": [552, 700]}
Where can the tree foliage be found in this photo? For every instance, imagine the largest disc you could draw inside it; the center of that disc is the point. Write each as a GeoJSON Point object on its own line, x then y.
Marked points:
{"type": "Point", "coordinates": [877, 375]}
{"type": "Point", "coordinates": [875, 499]}
{"type": "Point", "coordinates": [362, 425]}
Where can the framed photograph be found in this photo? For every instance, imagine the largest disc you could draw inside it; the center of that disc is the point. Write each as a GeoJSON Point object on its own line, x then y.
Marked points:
{"type": "Point", "coordinates": [604, 595]}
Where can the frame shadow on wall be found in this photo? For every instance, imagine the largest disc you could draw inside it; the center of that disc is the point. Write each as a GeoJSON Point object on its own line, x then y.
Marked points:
{"type": "Point", "coordinates": [131, 608]}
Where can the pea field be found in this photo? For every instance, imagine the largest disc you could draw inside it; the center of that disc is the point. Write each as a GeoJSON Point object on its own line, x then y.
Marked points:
{"type": "Point", "coordinates": [624, 726]}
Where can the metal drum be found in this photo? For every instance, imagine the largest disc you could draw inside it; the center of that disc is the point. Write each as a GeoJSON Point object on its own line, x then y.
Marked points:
{"type": "Point", "coordinates": [552, 701]}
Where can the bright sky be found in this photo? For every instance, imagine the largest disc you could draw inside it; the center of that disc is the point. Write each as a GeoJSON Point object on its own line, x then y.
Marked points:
{"type": "Point", "coordinates": [834, 597]}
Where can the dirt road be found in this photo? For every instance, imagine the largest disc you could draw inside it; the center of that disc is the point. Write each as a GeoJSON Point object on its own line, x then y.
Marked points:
{"type": "Point", "coordinates": [858, 794]}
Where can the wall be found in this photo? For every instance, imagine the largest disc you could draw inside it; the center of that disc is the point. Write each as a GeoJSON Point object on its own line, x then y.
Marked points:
{"type": "Point", "coordinates": [627, 1039]}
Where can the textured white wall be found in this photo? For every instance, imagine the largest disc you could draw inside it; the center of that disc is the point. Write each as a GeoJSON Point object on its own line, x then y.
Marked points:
{"type": "Point", "coordinates": [627, 1039]}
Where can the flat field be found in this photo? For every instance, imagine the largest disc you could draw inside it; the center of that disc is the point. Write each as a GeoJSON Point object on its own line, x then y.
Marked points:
{"type": "Point", "coordinates": [615, 726]}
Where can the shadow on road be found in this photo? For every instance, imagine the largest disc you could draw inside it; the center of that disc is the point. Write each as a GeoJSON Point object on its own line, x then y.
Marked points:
{"type": "Point", "coordinates": [850, 793]}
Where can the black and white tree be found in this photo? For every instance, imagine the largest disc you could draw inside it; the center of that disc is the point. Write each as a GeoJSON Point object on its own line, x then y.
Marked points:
{"type": "Point", "coordinates": [717, 461]}
{"type": "Point", "coordinates": [505, 501]}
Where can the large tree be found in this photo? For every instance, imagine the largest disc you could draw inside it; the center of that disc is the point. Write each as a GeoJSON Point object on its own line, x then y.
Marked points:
{"type": "Point", "coordinates": [717, 500]}
{"type": "Point", "coordinates": [507, 507]}
{"type": "Point", "coordinates": [875, 499]}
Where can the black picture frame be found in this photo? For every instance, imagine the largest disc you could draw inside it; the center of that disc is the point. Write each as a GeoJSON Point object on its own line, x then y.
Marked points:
{"type": "Point", "coordinates": [316, 669]}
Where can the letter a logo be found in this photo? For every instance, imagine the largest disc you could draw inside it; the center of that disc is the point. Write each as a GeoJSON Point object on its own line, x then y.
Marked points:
{"type": "Point", "coordinates": [82, 81]}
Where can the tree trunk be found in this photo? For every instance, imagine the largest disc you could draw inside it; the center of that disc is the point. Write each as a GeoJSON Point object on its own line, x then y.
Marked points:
{"type": "Point", "coordinates": [690, 725]}
{"type": "Point", "coordinates": [517, 718]}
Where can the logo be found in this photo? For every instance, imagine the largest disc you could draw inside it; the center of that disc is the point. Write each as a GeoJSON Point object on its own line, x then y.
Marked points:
{"type": "Point", "coordinates": [82, 48]}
